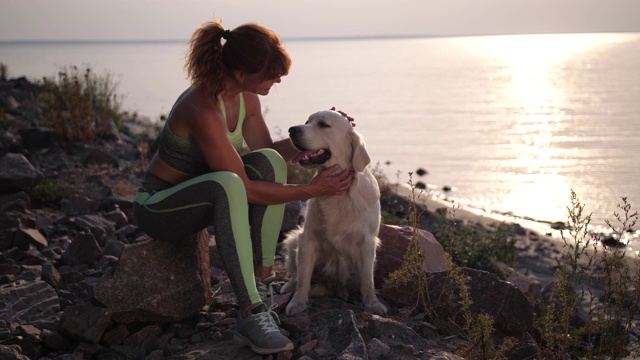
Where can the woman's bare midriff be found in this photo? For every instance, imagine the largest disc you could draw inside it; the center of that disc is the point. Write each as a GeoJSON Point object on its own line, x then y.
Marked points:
{"type": "Point", "coordinates": [164, 172]}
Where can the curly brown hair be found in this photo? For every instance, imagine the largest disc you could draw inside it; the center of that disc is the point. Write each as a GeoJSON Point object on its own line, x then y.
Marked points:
{"type": "Point", "coordinates": [249, 48]}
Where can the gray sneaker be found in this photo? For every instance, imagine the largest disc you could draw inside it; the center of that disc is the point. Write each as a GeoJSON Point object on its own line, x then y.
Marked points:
{"type": "Point", "coordinates": [260, 331]}
{"type": "Point", "coordinates": [265, 288]}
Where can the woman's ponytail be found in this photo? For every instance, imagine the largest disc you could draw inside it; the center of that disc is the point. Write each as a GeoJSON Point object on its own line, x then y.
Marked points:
{"type": "Point", "coordinates": [204, 64]}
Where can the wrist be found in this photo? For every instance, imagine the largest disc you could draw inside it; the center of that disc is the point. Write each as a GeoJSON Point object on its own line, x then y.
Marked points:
{"type": "Point", "coordinates": [312, 190]}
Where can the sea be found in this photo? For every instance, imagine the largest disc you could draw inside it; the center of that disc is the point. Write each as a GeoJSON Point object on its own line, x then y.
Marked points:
{"type": "Point", "coordinates": [505, 126]}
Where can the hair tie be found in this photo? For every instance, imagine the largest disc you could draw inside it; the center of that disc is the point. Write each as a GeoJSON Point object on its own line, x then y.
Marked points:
{"type": "Point", "coordinates": [226, 34]}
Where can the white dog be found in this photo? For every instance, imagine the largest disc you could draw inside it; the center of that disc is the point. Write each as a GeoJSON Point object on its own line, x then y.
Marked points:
{"type": "Point", "coordinates": [338, 240]}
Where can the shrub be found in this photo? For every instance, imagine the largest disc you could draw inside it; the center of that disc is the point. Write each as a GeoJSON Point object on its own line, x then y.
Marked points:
{"type": "Point", "coordinates": [412, 268]}
{"type": "Point", "coordinates": [609, 324]}
{"type": "Point", "coordinates": [4, 72]}
{"type": "Point", "coordinates": [48, 192]}
{"type": "Point", "coordinates": [583, 262]}
{"type": "Point", "coordinates": [475, 247]}
{"type": "Point", "coordinates": [79, 104]}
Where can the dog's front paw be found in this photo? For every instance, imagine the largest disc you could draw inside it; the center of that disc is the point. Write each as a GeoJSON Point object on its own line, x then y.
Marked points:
{"type": "Point", "coordinates": [376, 307]}
{"type": "Point", "coordinates": [295, 307]}
{"type": "Point", "coordinates": [288, 287]}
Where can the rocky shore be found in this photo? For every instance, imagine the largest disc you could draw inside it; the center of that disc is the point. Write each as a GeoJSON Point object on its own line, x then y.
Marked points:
{"type": "Point", "coordinates": [78, 280]}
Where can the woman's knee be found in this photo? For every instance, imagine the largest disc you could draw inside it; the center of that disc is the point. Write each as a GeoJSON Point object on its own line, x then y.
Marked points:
{"type": "Point", "coordinates": [268, 165]}
{"type": "Point", "coordinates": [278, 164]}
{"type": "Point", "coordinates": [230, 181]}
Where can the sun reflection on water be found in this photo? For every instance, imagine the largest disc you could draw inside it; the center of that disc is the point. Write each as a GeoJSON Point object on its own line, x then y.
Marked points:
{"type": "Point", "coordinates": [535, 69]}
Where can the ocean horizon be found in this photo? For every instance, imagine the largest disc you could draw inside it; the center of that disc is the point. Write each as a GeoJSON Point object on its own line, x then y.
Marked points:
{"type": "Point", "coordinates": [288, 38]}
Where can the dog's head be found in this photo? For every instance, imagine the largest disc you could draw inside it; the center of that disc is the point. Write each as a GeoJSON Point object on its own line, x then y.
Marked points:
{"type": "Point", "coordinates": [326, 139]}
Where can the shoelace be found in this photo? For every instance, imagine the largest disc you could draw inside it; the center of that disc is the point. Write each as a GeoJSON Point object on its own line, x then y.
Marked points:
{"type": "Point", "coordinates": [265, 291]}
{"type": "Point", "coordinates": [266, 319]}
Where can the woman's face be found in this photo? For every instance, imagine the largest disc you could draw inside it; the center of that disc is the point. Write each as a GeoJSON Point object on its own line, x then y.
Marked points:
{"type": "Point", "coordinates": [254, 84]}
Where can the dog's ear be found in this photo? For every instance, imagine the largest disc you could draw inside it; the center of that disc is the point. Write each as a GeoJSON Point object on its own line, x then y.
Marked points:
{"type": "Point", "coordinates": [360, 157]}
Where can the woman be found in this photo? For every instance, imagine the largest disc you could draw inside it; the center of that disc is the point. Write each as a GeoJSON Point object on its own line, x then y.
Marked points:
{"type": "Point", "coordinates": [197, 178]}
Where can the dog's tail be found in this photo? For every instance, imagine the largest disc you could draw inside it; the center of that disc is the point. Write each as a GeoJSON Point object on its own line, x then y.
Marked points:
{"type": "Point", "coordinates": [290, 246]}
{"type": "Point", "coordinates": [289, 253]}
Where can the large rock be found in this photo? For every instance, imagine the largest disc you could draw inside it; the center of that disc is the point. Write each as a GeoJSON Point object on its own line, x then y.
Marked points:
{"type": "Point", "coordinates": [17, 174]}
{"type": "Point", "coordinates": [25, 237]}
{"type": "Point", "coordinates": [84, 249]}
{"type": "Point", "coordinates": [13, 352]}
{"type": "Point", "coordinates": [394, 242]}
{"type": "Point", "coordinates": [85, 322]}
{"type": "Point", "coordinates": [158, 280]}
{"type": "Point", "coordinates": [28, 302]}
{"type": "Point", "coordinates": [509, 307]}
{"type": "Point", "coordinates": [38, 137]}
{"type": "Point", "coordinates": [403, 341]}
{"type": "Point", "coordinates": [338, 336]}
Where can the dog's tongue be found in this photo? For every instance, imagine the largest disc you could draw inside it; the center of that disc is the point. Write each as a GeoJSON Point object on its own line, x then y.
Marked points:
{"type": "Point", "coordinates": [305, 155]}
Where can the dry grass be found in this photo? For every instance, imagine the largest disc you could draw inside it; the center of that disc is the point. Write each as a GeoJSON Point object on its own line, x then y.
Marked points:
{"type": "Point", "coordinates": [79, 104]}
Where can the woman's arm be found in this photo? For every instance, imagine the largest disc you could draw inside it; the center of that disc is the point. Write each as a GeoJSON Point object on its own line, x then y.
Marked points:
{"type": "Point", "coordinates": [209, 129]}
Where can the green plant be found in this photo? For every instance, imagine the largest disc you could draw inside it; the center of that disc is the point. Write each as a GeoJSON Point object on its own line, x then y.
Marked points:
{"type": "Point", "coordinates": [412, 269]}
{"type": "Point", "coordinates": [80, 104]}
{"type": "Point", "coordinates": [48, 192]}
{"type": "Point", "coordinates": [475, 247]}
{"type": "Point", "coordinates": [619, 275]}
{"type": "Point", "coordinates": [582, 263]}
{"type": "Point", "coordinates": [4, 71]}
{"type": "Point", "coordinates": [394, 208]}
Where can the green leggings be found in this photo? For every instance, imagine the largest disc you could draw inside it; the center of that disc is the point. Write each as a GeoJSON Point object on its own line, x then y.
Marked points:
{"type": "Point", "coordinates": [245, 233]}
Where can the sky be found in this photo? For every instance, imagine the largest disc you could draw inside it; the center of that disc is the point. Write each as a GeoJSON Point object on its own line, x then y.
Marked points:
{"type": "Point", "coordinates": [177, 19]}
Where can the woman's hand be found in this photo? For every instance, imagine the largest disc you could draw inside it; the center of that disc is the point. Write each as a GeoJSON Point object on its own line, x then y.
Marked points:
{"type": "Point", "coordinates": [351, 119]}
{"type": "Point", "coordinates": [333, 181]}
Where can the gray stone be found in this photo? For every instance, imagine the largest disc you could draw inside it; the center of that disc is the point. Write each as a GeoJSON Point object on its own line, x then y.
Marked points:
{"type": "Point", "coordinates": [54, 340]}
{"type": "Point", "coordinates": [509, 307]}
{"type": "Point", "coordinates": [114, 248]}
{"type": "Point", "coordinates": [116, 335]}
{"type": "Point", "coordinates": [376, 349]}
{"type": "Point", "coordinates": [25, 237]}
{"type": "Point", "coordinates": [78, 205]}
{"type": "Point", "coordinates": [99, 156]}
{"type": "Point", "coordinates": [84, 249]}
{"type": "Point", "coordinates": [85, 322]}
{"type": "Point", "coordinates": [392, 332]}
{"type": "Point", "coordinates": [145, 338]}
{"type": "Point", "coordinates": [8, 141]}
{"type": "Point", "coordinates": [394, 243]}
{"type": "Point", "coordinates": [28, 302]}
{"type": "Point", "coordinates": [158, 280]}
{"type": "Point", "coordinates": [338, 336]}
{"type": "Point", "coordinates": [37, 137]}
{"type": "Point", "coordinates": [17, 174]}
{"type": "Point", "coordinates": [12, 352]}
{"type": "Point", "coordinates": [118, 217]}
{"type": "Point", "coordinates": [51, 276]}
{"type": "Point", "coordinates": [19, 201]}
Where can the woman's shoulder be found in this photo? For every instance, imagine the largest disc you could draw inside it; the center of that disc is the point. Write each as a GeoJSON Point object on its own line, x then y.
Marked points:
{"type": "Point", "coordinates": [195, 104]}
{"type": "Point", "coordinates": [192, 111]}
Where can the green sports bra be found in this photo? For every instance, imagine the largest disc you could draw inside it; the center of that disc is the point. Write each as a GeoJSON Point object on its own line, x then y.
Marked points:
{"type": "Point", "coordinates": [184, 154]}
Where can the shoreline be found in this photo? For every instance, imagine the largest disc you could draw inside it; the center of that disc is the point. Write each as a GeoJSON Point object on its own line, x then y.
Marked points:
{"type": "Point", "coordinates": [465, 213]}
{"type": "Point", "coordinates": [549, 230]}
{"type": "Point", "coordinates": [537, 253]}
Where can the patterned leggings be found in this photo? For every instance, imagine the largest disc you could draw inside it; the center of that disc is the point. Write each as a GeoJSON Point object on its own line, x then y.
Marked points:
{"type": "Point", "coordinates": [245, 233]}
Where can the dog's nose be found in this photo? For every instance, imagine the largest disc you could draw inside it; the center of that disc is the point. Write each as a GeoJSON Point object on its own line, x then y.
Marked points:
{"type": "Point", "coordinates": [294, 130]}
